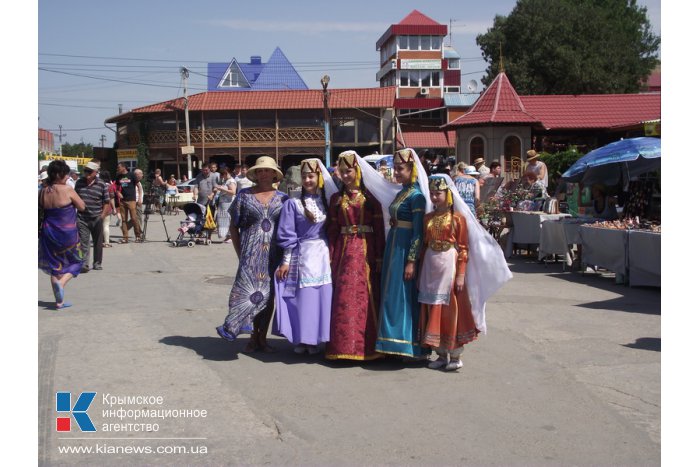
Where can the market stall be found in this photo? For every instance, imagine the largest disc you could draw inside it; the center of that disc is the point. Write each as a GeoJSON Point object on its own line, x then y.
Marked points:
{"type": "Point", "coordinates": [644, 255]}
{"type": "Point", "coordinates": [557, 237]}
{"type": "Point", "coordinates": [525, 228]}
{"type": "Point", "coordinates": [604, 247]}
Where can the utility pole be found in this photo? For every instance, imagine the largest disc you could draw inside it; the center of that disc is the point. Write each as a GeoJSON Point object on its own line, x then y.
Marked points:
{"type": "Point", "coordinates": [61, 134]}
{"type": "Point", "coordinates": [185, 74]}
{"type": "Point", "coordinates": [326, 119]}
{"type": "Point", "coordinates": [102, 140]}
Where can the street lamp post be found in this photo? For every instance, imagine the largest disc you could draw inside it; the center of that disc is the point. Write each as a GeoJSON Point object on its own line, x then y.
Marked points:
{"type": "Point", "coordinates": [326, 119]}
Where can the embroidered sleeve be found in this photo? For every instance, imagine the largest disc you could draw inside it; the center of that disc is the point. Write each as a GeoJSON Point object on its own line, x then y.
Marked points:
{"type": "Point", "coordinates": [462, 240]}
{"type": "Point", "coordinates": [287, 256]}
{"type": "Point", "coordinates": [418, 212]}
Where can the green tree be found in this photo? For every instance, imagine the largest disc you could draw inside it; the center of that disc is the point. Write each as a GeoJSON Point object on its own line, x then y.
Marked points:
{"type": "Point", "coordinates": [572, 46]}
{"type": "Point", "coordinates": [77, 150]}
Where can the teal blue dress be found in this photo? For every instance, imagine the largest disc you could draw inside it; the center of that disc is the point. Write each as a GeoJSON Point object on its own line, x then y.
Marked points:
{"type": "Point", "coordinates": [400, 310]}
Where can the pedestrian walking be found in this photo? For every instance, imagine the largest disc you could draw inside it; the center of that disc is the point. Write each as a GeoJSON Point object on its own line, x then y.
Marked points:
{"type": "Point", "coordinates": [60, 255]}
{"type": "Point", "coordinates": [95, 194]}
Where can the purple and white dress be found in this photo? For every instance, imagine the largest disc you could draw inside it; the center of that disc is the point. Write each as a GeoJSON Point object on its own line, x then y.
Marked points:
{"type": "Point", "coordinates": [304, 299]}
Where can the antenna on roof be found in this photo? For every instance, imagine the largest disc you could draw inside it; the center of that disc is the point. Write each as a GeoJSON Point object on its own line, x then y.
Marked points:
{"type": "Point", "coordinates": [501, 67]}
{"type": "Point", "coordinates": [471, 85]}
{"type": "Point", "coordinates": [451, 31]}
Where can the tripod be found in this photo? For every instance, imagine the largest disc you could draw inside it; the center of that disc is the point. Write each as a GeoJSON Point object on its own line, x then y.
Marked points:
{"type": "Point", "coordinates": [154, 194]}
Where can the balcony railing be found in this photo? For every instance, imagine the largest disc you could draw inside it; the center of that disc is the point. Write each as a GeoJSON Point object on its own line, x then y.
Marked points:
{"type": "Point", "coordinates": [230, 136]}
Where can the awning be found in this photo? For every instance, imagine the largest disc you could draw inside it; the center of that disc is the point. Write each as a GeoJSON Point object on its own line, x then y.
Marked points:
{"type": "Point", "coordinates": [426, 139]}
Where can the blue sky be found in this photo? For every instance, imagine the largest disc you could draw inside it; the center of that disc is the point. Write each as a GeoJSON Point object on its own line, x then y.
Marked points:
{"type": "Point", "coordinates": [159, 36]}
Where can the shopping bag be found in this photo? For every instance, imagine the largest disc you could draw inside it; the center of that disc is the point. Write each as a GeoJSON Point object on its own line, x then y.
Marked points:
{"type": "Point", "coordinates": [209, 222]}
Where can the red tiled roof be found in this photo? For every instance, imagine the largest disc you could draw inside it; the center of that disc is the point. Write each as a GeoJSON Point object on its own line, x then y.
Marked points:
{"type": "Point", "coordinates": [416, 18]}
{"type": "Point", "coordinates": [593, 110]}
{"type": "Point", "coordinates": [414, 24]}
{"type": "Point", "coordinates": [426, 139]}
{"type": "Point", "coordinates": [586, 111]}
{"type": "Point", "coordinates": [499, 103]}
{"type": "Point", "coordinates": [271, 100]}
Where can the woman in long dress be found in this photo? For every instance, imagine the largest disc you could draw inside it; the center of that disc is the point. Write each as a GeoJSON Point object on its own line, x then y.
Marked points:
{"type": "Point", "coordinates": [303, 289]}
{"type": "Point", "coordinates": [446, 320]}
{"type": "Point", "coordinates": [254, 215]}
{"type": "Point", "coordinates": [398, 323]}
{"type": "Point", "coordinates": [60, 254]}
{"type": "Point", "coordinates": [356, 238]}
{"type": "Point", "coordinates": [226, 191]}
{"type": "Point", "coordinates": [467, 185]}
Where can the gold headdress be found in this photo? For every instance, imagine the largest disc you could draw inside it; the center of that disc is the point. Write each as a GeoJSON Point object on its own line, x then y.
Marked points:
{"type": "Point", "coordinates": [405, 156]}
{"type": "Point", "coordinates": [348, 159]}
{"type": "Point", "coordinates": [440, 184]}
{"type": "Point", "coordinates": [311, 165]}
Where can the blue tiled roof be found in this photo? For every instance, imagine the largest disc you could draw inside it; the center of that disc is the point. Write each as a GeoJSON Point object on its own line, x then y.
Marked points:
{"type": "Point", "coordinates": [251, 71]}
{"type": "Point", "coordinates": [460, 100]}
{"type": "Point", "coordinates": [278, 73]}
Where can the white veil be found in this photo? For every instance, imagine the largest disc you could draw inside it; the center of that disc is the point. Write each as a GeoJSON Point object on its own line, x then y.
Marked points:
{"type": "Point", "coordinates": [487, 269]}
{"type": "Point", "coordinates": [384, 190]}
{"type": "Point", "coordinates": [328, 184]}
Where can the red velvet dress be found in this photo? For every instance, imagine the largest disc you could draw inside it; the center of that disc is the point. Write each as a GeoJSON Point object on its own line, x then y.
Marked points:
{"type": "Point", "coordinates": [355, 230]}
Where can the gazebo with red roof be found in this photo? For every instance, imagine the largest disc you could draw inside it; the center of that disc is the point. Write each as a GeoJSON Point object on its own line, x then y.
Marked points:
{"type": "Point", "coordinates": [502, 125]}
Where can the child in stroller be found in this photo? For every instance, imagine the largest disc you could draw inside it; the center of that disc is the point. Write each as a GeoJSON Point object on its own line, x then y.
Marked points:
{"type": "Point", "coordinates": [193, 226]}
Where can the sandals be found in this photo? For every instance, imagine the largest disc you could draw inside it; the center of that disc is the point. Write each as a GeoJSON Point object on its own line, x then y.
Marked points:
{"type": "Point", "coordinates": [64, 305]}
{"type": "Point", "coordinates": [122, 241]}
{"type": "Point", "coordinates": [106, 245]}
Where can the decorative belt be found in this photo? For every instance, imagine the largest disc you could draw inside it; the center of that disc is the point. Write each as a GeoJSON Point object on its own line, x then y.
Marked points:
{"type": "Point", "coordinates": [355, 229]}
{"type": "Point", "coordinates": [439, 245]}
{"type": "Point", "coordinates": [400, 224]}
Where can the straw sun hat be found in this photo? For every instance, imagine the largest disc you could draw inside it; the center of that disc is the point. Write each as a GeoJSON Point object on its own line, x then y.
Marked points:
{"type": "Point", "coordinates": [532, 155]}
{"type": "Point", "coordinates": [264, 162]}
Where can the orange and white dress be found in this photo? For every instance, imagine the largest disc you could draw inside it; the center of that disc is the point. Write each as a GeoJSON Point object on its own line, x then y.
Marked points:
{"type": "Point", "coordinates": [446, 320]}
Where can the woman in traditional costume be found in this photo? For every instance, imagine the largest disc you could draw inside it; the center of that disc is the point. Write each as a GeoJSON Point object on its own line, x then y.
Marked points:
{"type": "Point", "coordinates": [446, 321]}
{"type": "Point", "coordinates": [254, 216]}
{"type": "Point", "coordinates": [303, 289]}
{"type": "Point", "coordinates": [356, 238]}
{"type": "Point", "coordinates": [60, 254]}
{"type": "Point", "coordinates": [399, 310]}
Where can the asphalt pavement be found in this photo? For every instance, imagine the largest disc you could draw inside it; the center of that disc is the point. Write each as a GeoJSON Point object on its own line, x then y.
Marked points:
{"type": "Point", "coordinates": [568, 374]}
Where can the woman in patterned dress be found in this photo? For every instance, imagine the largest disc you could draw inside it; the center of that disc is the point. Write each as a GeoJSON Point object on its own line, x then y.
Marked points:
{"type": "Point", "coordinates": [60, 254]}
{"type": "Point", "coordinates": [467, 185]}
{"type": "Point", "coordinates": [356, 239]}
{"type": "Point", "coordinates": [254, 215]}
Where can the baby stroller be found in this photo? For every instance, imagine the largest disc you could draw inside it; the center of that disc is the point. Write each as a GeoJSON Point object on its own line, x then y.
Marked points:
{"type": "Point", "coordinates": [193, 227]}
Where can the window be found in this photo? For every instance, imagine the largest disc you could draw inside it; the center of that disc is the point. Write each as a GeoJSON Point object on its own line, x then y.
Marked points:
{"type": "Point", "coordinates": [476, 148]}
{"type": "Point", "coordinates": [511, 147]}
{"type": "Point", "coordinates": [436, 42]}
{"type": "Point", "coordinates": [420, 114]}
{"type": "Point", "coordinates": [404, 78]}
{"type": "Point", "coordinates": [403, 42]}
{"type": "Point", "coordinates": [436, 78]}
{"type": "Point", "coordinates": [453, 63]}
{"type": "Point", "coordinates": [425, 42]}
{"type": "Point", "coordinates": [452, 89]}
{"type": "Point", "coordinates": [414, 77]}
{"type": "Point", "coordinates": [425, 78]}
{"type": "Point", "coordinates": [414, 42]}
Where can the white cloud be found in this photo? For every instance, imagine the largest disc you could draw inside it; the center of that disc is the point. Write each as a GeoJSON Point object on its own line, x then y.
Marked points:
{"type": "Point", "coordinates": [301, 27]}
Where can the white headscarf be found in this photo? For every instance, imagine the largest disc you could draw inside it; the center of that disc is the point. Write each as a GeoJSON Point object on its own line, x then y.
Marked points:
{"type": "Point", "coordinates": [329, 186]}
{"type": "Point", "coordinates": [487, 269]}
{"type": "Point", "coordinates": [384, 190]}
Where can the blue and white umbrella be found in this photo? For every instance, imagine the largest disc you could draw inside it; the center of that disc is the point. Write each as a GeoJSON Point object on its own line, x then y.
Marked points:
{"type": "Point", "coordinates": [625, 158]}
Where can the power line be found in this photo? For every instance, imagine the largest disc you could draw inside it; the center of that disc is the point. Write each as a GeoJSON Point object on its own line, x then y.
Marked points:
{"type": "Point", "coordinates": [77, 106]}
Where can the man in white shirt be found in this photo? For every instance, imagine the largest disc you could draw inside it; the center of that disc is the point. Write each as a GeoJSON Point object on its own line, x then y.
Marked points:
{"type": "Point", "coordinates": [242, 181]}
{"type": "Point", "coordinates": [72, 178]}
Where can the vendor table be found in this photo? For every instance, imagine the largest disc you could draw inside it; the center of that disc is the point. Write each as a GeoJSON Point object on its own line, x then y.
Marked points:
{"type": "Point", "coordinates": [644, 258]}
{"type": "Point", "coordinates": [526, 228]}
{"type": "Point", "coordinates": [558, 236]}
{"type": "Point", "coordinates": [606, 248]}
